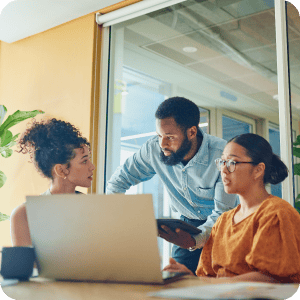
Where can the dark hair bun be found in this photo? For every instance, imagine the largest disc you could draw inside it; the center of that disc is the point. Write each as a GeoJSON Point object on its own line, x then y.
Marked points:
{"type": "Point", "coordinates": [278, 171]}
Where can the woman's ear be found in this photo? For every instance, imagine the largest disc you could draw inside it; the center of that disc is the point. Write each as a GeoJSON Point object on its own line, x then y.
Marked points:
{"type": "Point", "coordinates": [61, 171]}
{"type": "Point", "coordinates": [260, 170]}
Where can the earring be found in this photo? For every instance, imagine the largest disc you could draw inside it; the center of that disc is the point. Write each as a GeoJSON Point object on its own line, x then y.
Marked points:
{"type": "Point", "coordinates": [65, 177]}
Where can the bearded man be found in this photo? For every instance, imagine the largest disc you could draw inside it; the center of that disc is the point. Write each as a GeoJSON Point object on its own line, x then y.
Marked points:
{"type": "Point", "coordinates": [183, 156]}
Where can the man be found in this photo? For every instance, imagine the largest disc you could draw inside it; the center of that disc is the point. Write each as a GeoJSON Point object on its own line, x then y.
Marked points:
{"type": "Point", "coordinates": [184, 159]}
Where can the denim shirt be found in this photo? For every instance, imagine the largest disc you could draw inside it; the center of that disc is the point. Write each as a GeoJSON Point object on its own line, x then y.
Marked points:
{"type": "Point", "coordinates": [196, 190]}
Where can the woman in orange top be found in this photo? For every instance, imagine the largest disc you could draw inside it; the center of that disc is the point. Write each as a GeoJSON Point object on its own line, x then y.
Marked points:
{"type": "Point", "coordinates": [259, 240]}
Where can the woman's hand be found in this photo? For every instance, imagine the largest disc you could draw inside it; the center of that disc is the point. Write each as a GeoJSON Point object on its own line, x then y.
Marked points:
{"type": "Point", "coordinates": [174, 266]}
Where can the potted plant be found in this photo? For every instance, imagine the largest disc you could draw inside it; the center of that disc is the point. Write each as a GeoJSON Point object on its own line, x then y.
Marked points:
{"type": "Point", "coordinates": [8, 140]}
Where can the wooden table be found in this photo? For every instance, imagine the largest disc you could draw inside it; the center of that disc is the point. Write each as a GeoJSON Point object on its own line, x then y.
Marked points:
{"type": "Point", "coordinates": [43, 289]}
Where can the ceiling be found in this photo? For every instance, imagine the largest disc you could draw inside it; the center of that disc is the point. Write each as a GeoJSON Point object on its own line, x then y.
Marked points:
{"type": "Point", "coordinates": [235, 38]}
{"type": "Point", "coordinates": [235, 42]}
{"type": "Point", "coordinates": [22, 18]}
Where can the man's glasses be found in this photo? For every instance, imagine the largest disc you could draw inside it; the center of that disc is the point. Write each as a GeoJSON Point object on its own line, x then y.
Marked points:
{"type": "Point", "coordinates": [230, 164]}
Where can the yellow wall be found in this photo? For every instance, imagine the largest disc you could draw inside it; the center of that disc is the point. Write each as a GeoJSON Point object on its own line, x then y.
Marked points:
{"type": "Point", "coordinates": [50, 71]}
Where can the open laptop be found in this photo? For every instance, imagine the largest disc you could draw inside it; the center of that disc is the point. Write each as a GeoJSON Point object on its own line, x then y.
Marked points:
{"type": "Point", "coordinates": [96, 237]}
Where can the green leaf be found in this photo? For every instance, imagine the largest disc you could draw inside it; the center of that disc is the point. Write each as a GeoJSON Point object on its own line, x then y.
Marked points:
{"type": "Point", "coordinates": [3, 111]}
{"type": "Point", "coordinates": [7, 153]}
{"type": "Point", "coordinates": [297, 143]}
{"type": "Point", "coordinates": [18, 117]}
{"type": "Point", "coordinates": [2, 179]}
{"type": "Point", "coordinates": [15, 137]}
{"type": "Point", "coordinates": [6, 138]}
{"type": "Point", "coordinates": [6, 147]}
{"type": "Point", "coordinates": [3, 217]}
{"type": "Point", "coordinates": [297, 169]}
{"type": "Point", "coordinates": [297, 203]}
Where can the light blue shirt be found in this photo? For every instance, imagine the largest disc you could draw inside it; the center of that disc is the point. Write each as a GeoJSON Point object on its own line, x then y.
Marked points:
{"type": "Point", "coordinates": [196, 190]}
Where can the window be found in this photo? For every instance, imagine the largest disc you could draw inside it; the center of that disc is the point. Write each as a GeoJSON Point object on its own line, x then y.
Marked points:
{"type": "Point", "coordinates": [231, 124]}
{"type": "Point", "coordinates": [219, 54]}
{"type": "Point", "coordinates": [132, 123]}
{"type": "Point", "coordinates": [233, 127]}
{"type": "Point", "coordinates": [274, 140]}
{"type": "Point", "coordinates": [293, 26]}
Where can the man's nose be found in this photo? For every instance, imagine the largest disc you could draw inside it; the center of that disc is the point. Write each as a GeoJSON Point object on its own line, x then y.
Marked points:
{"type": "Point", "coordinates": [164, 142]}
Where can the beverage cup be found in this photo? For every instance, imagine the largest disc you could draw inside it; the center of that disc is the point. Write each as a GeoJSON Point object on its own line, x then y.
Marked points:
{"type": "Point", "coordinates": [17, 262]}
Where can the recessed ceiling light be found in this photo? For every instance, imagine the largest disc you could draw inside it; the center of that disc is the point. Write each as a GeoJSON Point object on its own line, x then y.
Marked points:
{"type": "Point", "coordinates": [189, 49]}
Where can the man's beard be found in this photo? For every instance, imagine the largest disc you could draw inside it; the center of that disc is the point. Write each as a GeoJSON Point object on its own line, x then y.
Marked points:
{"type": "Point", "coordinates": [177, 157]}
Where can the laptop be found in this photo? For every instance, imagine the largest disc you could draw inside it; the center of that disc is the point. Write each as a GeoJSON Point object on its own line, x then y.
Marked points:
{"type": "Point", "coordinates": [96, 238]}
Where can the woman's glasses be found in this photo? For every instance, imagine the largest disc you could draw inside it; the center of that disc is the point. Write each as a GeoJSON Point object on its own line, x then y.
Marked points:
{"type": "Point", "coordinates": [230, 164]}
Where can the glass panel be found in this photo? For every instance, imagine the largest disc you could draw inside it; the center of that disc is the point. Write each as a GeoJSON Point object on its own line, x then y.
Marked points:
{"type": "Point", "coordinates": [293, 28]}
{"type": "Point", "coordinates": [274, 140]}
{"type": "Point", "coordinates": [131, 124]}
{"type": "Point", "coordinates": [233, 127]}
{"type": "Point", "coordinates": [220, 54]}
{"type": "Point", "coordinates": [204, 119]}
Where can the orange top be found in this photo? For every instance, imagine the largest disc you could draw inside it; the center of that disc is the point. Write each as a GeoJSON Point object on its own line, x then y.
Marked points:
{"type": "Point", "coordinates": [267, 241]}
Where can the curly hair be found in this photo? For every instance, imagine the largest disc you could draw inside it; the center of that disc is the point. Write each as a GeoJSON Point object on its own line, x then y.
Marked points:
{"type": "Point", "coordinates": [51, 142]}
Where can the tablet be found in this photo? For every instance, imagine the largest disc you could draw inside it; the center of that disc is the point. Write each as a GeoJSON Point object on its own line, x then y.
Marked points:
{"type": "Point", "coordinates": [175, 223]}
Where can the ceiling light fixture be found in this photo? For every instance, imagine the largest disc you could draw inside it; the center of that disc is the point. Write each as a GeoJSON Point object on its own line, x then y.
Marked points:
{"type": "Point", "coordinates": [190, 49]}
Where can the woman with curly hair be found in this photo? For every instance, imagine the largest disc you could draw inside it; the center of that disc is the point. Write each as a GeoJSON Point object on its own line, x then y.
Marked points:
{"type": "Point", "coordinates": [61, 154]}
{"type": "Point", "coordinates": [259, 240]}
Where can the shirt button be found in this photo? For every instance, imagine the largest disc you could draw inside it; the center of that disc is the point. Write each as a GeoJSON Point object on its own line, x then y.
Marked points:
{"type": "Point", "coordinates": [184, 189]}
{"type": "Point", "coordinates": [199, 211]}
{"type": "Point", "coordinates": [183, 170]}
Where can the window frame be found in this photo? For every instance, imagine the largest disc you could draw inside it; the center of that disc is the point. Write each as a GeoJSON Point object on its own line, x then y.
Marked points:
{"type": "Point", "coordinates": [232, 115]}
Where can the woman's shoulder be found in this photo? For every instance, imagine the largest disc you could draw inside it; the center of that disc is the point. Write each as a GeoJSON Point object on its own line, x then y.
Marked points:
{"type": "Point", "coordinates": [276, 206]}
{"type": "Point", "coordinates": [19, 211]}
{"type": "Point", "coordinates": [274, 203]}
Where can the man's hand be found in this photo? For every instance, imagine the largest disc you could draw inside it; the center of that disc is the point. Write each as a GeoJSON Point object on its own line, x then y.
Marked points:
{"type": "Point", "coordinates": [180, 238]}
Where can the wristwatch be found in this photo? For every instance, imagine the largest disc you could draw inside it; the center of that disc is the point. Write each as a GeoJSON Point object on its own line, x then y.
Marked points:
{"type": "Point", "coordinates": [192, 248]}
